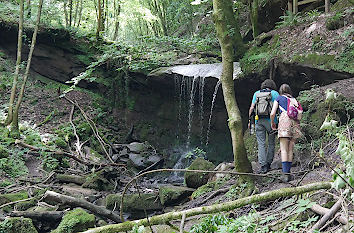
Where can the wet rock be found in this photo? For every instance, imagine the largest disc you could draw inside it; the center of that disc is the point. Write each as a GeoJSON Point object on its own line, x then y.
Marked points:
{"type": "Point", "coordinates": [142, 155]}
{"type": "Point", "coordinates": [137, 147]}
{"type": "Point", "coordinates": [171, 195]}
{"type": "Point", "coordinates": [194, 179]}
{"type": "Point", "coordinates": [77, 220]}
{"type": "Point", "coordinates": [134, 202]}
{"type": "Point", "coordinates": [17, 225]}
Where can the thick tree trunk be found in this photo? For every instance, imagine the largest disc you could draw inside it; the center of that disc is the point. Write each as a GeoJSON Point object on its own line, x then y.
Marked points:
{"type": "Point", "coordinates": [227, 206]}
{"type": "Point", "coordinates": [80, 14]}
{"type": "Point", "coordinates": [76, 12]}
{"type": "Point", "coordinates": [253, 9]}
{"type": "Point", "coordinates": [14, 125]}
{"type": "Point", "coordinates": [17, 69]}
{"type": "Point", "coordinates": [66, 13]}
{"type": "Point", "coordinates": [70, 12]}
{"type": "Point", "coordinates": [223, 18]}
{"type": "Point", "coordinates": [100, 21]}
{"type": "Point", "coordinates": [116, 18]}
{"type": "Point", "coordinates": [75, 202]}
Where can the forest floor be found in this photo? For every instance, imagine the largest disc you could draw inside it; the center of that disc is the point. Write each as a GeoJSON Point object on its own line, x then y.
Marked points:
{"type": "Point", "coordinates": [41, 99]}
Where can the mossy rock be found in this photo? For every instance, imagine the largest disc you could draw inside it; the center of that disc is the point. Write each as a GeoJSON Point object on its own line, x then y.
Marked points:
{"type": "Point", "coordinates": [196, 179]}
{"type": "Point", "coordinates": [134, 202]}
{"type": "Point", "coordinates": [76, 220]}
{"type": "Point", "coordinates": [11, 197]}
{"type": "Point", "coordinates": [209, 187]}
{"type": "Point", "coordinates": [98, 182]}
{"type": "Point", "coordinates": [17, 225]}
{"type": "Point", "coordinates": [170, 194]}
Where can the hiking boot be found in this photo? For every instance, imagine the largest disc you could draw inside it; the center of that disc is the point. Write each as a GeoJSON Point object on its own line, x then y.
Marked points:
{"type": "Point", "coordinates": [286, 178]}
{"type": "Point", "coordinates": [264, 169]}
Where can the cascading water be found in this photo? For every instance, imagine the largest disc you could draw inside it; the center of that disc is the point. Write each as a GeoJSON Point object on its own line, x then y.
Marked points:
{"type": "Point", "coordinates": [191, 109]}
{"type": "Point", "coordinates": [211, 110]}
{"type": "Point", "coordinates": [201, 107]}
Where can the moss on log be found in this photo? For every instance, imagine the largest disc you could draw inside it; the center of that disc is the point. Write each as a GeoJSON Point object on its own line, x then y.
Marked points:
{"type": "Point", "coordinates": [227, 206]}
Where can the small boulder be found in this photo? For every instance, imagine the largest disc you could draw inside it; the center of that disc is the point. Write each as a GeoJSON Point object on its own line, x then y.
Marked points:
{"type": "Point", "coordinates": [137, 147]}
{"type": "Point", "coordinates": [134, 202]}
{"type": "Point", "coordinates": [170, 195]}
{"type": "Point", "coordinates": [196, 179]}
{"type": "Point", "coordinates": [17, 225]}
{"type": "Point", "coordinates": [76, 220]}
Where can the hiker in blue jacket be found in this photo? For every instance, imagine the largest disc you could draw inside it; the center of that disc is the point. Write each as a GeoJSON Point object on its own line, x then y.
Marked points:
{"type": "Point", "coordinates": [261, 107]}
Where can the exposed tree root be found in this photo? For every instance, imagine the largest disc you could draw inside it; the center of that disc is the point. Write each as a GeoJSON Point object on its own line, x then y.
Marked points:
{"type": "Point", "coordinates": [227, 206]}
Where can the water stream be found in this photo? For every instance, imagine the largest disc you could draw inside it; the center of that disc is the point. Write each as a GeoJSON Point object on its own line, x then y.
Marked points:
{"type": "Point", "coordinates": [211, 110]}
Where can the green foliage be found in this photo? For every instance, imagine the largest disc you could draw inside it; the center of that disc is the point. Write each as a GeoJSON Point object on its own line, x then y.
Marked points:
{"type": "Point", "coordinates": [17, 225]}
{"type": "Point", "coordinates": [317, 43]}
{"type": "Point", "coordinates": [210, 224]}
{"type": "Point", "coordinates": [13, 167]}
{"type": "Point", "coordinates": [196, 153]}
{"type": "Point", "coordinates": [335, 22]}
{"type": "Point", "coordinates": [290, 19]}
{"type": "Point", "coordinates": [312, 14]}
{"type": "Point", "coordinates": [303, 204]}
{"type": "Point", "coordinates": [256, 58]}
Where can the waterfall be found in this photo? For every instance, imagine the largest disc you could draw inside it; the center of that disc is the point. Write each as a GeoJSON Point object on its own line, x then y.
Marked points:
{"type": "Point", "coordinates": [201, 107]}
{"type": "Point", "coordinates": [211, 110]}
{"type": "Point", "coordinates": [191, 109]}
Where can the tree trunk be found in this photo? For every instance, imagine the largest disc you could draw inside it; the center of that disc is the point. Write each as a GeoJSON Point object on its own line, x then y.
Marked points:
{"type": "Point", "coordinates": [100, 22]}
{"type": "Point", "coordinates": [223, 18]}
{"type": "Point", "coordinates": [216, 208]}
{"type": "Point", "coordinates": [66, 13]}
{"type": "Point", "coordinates": [76, 12]}
{"type": "Point", "coordinates": [28, 8]}
{"type": "Point", "coordinates": [116, 18]}
{"type": "Point", "coordinates": [253, 9]}
{"type": "Point", "coordinates": [14, 125]}
{"type": "Point", "coordinates": [17, 69]}
{"type": "Point", "coordinates": [80, 13]}
{"type": "Point", "coordinates": [70, 12]}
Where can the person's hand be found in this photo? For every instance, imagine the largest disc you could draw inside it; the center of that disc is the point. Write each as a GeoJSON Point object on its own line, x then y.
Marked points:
{"type": "Point", "coordinates": [274, 126]}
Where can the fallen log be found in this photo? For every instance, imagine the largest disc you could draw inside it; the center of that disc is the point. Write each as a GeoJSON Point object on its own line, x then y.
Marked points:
{"type": "Point", "coordinates": [75, 202]}
{"type": "Point", "coordinates": [64, 178]}
{"type": "Point", "coordinates": [322, 211]}
{"type": "Point", "coordinates": [47, 216]}
{"type": "Point", "coordinates": [226, 206]}
{"type": "Point", "coordinates": [67, 154]}
{"type": "Point", "coordinates": [327, 216]}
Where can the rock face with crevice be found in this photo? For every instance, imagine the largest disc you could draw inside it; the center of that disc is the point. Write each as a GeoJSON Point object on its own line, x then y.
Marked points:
{"type": "Point", "coordinates": [55, 55]}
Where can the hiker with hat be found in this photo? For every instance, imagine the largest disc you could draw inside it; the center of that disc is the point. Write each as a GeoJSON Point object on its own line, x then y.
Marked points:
{"type": "Point", "coordinates": [261, 107]}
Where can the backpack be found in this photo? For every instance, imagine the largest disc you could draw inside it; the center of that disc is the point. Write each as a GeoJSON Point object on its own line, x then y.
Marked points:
{"type": "Point", "coordinates": [294, 109]}
{"type": "Point", "coordinates": [264, 103]}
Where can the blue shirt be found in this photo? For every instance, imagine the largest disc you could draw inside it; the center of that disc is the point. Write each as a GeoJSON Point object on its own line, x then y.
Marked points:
{"type": "Point", "coordinates": [283, 102]}
{"type": "Point", "coordinates": [275, 95]}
